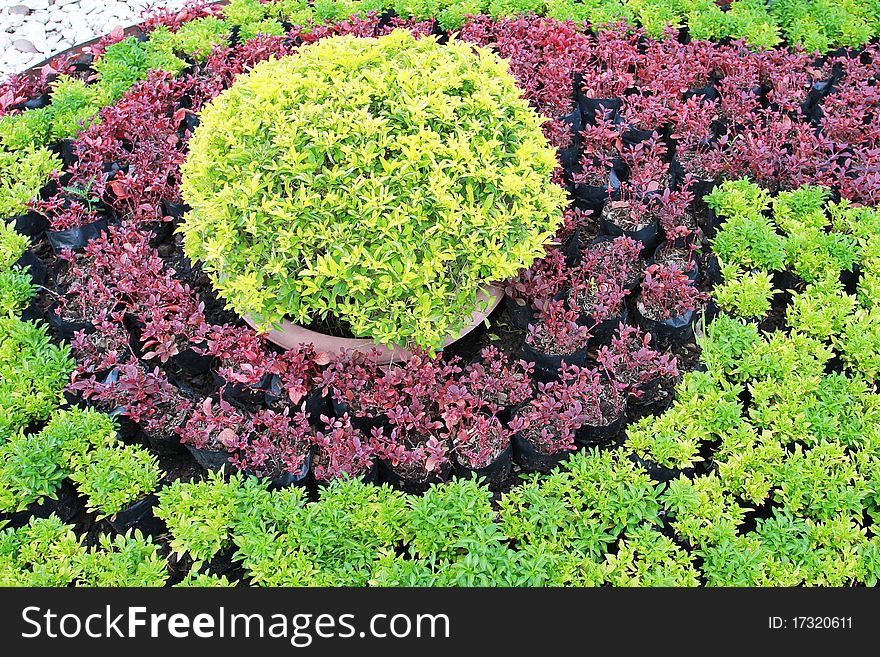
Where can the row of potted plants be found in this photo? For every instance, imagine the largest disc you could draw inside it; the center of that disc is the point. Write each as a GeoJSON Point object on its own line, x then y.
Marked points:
{"type": "Point", "coordinates": [599, 520]}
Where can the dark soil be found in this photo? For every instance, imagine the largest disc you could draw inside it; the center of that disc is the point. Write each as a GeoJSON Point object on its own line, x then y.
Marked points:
{"type": "Point", "coordinates": [618, 213]}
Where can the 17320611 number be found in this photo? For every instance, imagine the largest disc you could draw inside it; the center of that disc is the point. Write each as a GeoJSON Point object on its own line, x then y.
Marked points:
{"type": "Point", "coordinates": [810, 623]}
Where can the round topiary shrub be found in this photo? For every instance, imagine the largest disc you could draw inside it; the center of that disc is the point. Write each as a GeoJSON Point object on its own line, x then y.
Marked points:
{"type": "Point", "coordinates": [382, 182]}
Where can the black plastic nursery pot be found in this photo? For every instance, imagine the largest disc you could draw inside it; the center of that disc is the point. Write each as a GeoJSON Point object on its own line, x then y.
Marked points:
{"type": "Point", "coordinates": [495, 474]}
{"type": "Point", "coordinates": [530, 459]}
{"type": "Point", "coordinates": [248, 395]}
{"type": "Point", "coordinates": [67, 505]}
{"type": "Point", "coordinates": [192, 362]}
{"type": "Point", "coordinates": [634, 136]}
{"type": "Point", "coordinates": [707, 92]}
{"type": "Point", "coordinates": [165, 444]}
{"type": "Point", "coordinates": [391, 476]}
{"type": "Point", "coordinates": [30, 224]}
{"type": "Point", "coordinates": [364, 424]}
{"type": "Point", "coordinates": [572, 248]}
{"type": "Point", "coordinates": [520, 315]}
{"type": "Point", "coordinates": [786, 280]}
{"type": "Point", "coordinates": [594, 197]}
{"type": "Point", "coordinates": [591, 435]}
{"type": "Point", "coordinates": [547, 366]}
{"type": "Point", "coordinates": [692, 273]}
{"type": "Point", "coordinates": [77, 238]}
{"type": "Point", "coordinates": [659, 473]}
{"type": "Point", "coordinates": [64, 149]}
{"type": "Point", "coordinates": [593, 107]}
{"type": "Point", "coordinates": [210, 459]}
{"type": "Point", "coordinates": [34, 267]}
{"type": "Point", "coordinates": [163, 232]}
{"type": "Point", "coordinates": [174, 210]}
{"type": "Point", "coordinates": [604, 330]}
{"type": "Point", "coordinates": [647, 235]}
{"type": "Point", "coordinates": [138, 516]}
{"type": "Point", "coordinates": [63, 329]}
{"type": "Point", "coordinates": [299, 478]}
{"type": "Point", "coordinates": [676, 330]}
{"type": "Point", "coordinates": [713, 223]}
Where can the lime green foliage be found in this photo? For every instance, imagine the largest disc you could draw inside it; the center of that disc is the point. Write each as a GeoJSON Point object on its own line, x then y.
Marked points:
{"type": "Point", "coordinates": [26, 130]}
{"type": "Point", "coordinates": [859, 342]}
{"type": "Point", "coordinates": [22, 174]}
{"type": "Point", "coordinates": [45, 552]}
{"type": "Point", "coordinates": [822, 483]}
{"type": "Point", "coordinates": [16, 291]}
{"type": "Point", "coordinates": [704, 410]}
{"type": "Point", "coordinates": [284, 542]}
{"type": "Point", "coordinates": [79, 430]}
{"type": "Point", "coordinates": [251, 17]}
{"type": "Point", "coordinates": [744, 294]}
{"type": "Point", "coordinates": [128, 61]}
{"type": "Point", "coordinates": [811, 252]}
{"type": "Point", "coordinates": [12, 245]}
{"type": "Point", "coordinates": [204, 580]}
{"type": "Point", "coordinates": [748, 463]}
{"type": "Point", "coordinates": [196, 38]}
{"type": "Point", "coordinates": [801, 208]}
{"type": "Point", "coordinates": [33, 373]}
{"type": "Point", "coordinates": [747, 237]}
{"type": "Point", "coordinates": [113, 478]}
{"type": "Point", "coordinates": [123, 560]}
{"type": "Point", "coordinates": [32, 467]}
{"type": "Point", "coordinates": [199, 515]}
{"type": "Point", "coordinates": [582, 509]}
{"type": "Point", "coordinates": [821, 310]}
{"type": "Point", "coordinates": [387, 201]}
{"type": "Point", "coordinates": [666, 441]}
{"type": "Point", "coordinates": [702, 510]}
{"type": "Point", "coordinates": [726, 341]}
{"type": "Point", "coordinates": [16, 286]}
{"type": "Point", "coordinates": [647, 558]}
{"type": "Point", "coordinates": [819, 24]}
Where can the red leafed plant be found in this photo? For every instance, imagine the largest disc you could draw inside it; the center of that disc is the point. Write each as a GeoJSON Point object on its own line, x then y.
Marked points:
{"type": "Point", "coordinates": [667, 292]}
{"type": "Point", "coordinates": [630, 359]}
{"type": "Point", "coordinates": [557, 331]}
{"type": "Point", "coordinates": [349, 380]}
{"type": "Point", "coordinates": [496, 382]}
{"type": "Point", "coordinates": [241, 353]}
{"type": "Point", "coordinates": [479, 439]}
{"type": "Point", "coordinates": [616, 259]}
{"type": "Point", "coordinates": [549, 421]}
{"type": "Point", "coordinates": [342, 450]}
{"type": "Point", "coordinates": [174, 319]}
{"type": "Point", "coordinates": [65, 213]}
{"type": "Point", "coordinates": [145, 396]}
{"type": "Point", "coordinates": [275, 444]}
{"type": "Point", "coordinates": [413, 389]}
{"type": "Point", "coordinates": [599, 399]}
{"type": "Point", "coordinates": [537, 284]}
{"type": "Point", "coordinates": [297, 370]}
{"type": "Point", "coordinates": [102, 349]}
{"type": "Point", "coordinates": [214, 425]}
{"type": "Point", "coordinates": [416, 446]}
{"type": "Point", "coordinates": [543, 55]}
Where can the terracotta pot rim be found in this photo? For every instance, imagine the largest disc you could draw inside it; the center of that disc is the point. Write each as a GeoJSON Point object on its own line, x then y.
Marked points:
{"type": "Point", "coordinates": [291, 336]}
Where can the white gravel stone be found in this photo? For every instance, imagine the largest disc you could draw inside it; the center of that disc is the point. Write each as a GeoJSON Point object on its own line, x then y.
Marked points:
{"type": "Point", "coordinates": [52, 26]}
